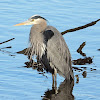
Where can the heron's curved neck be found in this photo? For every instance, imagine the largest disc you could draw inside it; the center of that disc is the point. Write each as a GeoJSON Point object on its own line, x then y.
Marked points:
{"type": "Point", "coordinates": [41, 26]}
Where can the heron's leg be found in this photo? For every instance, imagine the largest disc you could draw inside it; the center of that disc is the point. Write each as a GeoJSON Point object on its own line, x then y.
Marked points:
{"type": "Point", "coordinates": [55, 75]}
{"type": "Point", "coordinates": [53, 80]}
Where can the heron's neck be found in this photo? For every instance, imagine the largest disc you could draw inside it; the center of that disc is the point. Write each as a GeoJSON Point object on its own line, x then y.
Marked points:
{"type": "Point", "coordinates": [40, 27]}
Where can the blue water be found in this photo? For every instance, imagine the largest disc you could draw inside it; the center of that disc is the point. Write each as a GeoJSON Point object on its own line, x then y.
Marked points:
{"type": "Point", "coordinates": [19, 83]}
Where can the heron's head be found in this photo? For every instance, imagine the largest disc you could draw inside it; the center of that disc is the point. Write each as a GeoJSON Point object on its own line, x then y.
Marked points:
{"type": "Point", "coordinates": [36, 19]}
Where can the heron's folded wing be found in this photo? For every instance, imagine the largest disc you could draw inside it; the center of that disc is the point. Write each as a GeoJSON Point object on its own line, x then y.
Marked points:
{"type": "Point", "coordinates": [57, 51]}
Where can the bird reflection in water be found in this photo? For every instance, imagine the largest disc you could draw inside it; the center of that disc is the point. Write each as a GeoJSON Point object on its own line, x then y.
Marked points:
{"type": "Point", "coordinates": [64, 92]}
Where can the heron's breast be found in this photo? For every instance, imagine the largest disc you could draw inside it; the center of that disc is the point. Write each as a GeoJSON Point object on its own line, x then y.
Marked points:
{"type": "Point", "coordinates": [39, 48]}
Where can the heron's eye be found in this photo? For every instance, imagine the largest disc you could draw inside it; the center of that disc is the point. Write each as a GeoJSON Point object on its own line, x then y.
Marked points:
{"type": "Point", "coordinates": [32, 19]}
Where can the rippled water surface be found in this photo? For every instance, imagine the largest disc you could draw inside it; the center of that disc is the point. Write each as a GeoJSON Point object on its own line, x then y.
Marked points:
{"type": "Point", "coordinates": [20, 83]}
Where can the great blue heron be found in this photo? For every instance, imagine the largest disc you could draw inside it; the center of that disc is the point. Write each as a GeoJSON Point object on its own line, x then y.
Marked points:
{"type": "Point", "coordinates": [48, 44]}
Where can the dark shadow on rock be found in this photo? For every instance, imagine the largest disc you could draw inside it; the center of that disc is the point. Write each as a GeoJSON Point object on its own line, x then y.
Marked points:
{"type": "Point", "coordinates": [77, 78]}
{"type": "Point", "coordinates": [98, 49]}
{"type": "Point", "coordinates": [24, 51]}
{"type": "Point", "coordinates": [7, 52]}
{"type": "Point", "coordinates": [2, 49]}
{"type": "Point", "coordinates": [84, 61]}
{"type": "Point", "coordinates": [35, 65]}
{"type": "Point", "coordinates": [84, 74]}
{"type": "Point", "coordinates": [64, 92]}
{"type": "Point", "coordinates": [79, 50]}
{"type": "Point", "coordinates": [7, 41]}
{"type": "Point", "coordinates": [76, 68]}
{"type": "Point", "coordinates": [80, 27]}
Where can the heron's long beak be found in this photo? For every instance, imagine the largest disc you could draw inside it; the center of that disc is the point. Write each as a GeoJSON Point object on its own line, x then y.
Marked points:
{"type": "Point", "coordinates": [24, 23]}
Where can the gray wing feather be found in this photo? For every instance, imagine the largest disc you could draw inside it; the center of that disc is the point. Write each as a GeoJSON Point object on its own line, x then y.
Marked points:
{"type": "Point", "coordinates": [58, 53]}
